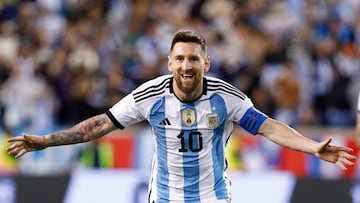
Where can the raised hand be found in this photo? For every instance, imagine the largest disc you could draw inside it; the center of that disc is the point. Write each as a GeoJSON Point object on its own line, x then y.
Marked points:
{"type": "Point", "coordinates": [25, 143]}
{"type": "Point", "coordinates": [339, 155]}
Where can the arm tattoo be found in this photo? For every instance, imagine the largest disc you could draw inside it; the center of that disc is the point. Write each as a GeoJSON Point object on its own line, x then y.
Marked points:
{"type": "Point", "coordinates": [84, 131]}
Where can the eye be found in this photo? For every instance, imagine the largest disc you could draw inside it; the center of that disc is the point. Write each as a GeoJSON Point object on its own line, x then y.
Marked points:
{"type": "Point", "coordinates": [179, 58]}
{"type": "Point", "coordinates": [194, 59]}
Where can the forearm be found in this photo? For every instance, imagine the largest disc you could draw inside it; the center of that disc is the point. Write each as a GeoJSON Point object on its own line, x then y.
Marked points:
{"type": "Point", "coordinates": [286, 136]}
{"type": "Point", "coordinates": [87, 130]}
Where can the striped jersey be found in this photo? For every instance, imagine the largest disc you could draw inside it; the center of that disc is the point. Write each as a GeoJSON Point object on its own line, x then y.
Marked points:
{"type": "Point", "coordinates": [190, 137]}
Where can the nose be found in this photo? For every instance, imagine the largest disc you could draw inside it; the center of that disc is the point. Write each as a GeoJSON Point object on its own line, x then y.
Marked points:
{"type": "Point", "coordinates": [187, 64]}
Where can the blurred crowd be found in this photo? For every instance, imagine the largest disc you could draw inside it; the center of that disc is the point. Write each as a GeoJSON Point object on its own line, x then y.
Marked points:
{"type": "Point", "coordinates": [62, 61]}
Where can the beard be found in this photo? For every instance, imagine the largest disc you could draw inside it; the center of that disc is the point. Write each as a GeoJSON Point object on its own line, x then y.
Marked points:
{"type": "Point", "coordinates": [186, 86]}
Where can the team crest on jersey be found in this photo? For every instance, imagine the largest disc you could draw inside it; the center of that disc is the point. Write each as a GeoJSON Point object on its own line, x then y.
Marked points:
{"type": "Point", "coordinates": [212, 120]}
{"type": "Point", "coordinates": [188, 117]}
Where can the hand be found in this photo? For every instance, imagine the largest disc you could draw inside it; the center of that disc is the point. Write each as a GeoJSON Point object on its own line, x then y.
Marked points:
{"type": "Point", "coordinates": [25, 143]}
{"type": "Point", "coordinates": [334, 154]}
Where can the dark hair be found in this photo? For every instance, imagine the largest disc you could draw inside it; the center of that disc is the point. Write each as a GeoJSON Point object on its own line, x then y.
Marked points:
{"type": "Point", "coordinates": [188, 36]}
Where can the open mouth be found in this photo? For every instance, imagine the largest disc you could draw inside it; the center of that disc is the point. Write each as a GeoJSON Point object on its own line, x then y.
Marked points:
{"type": "Point", "coordinates": [187, 76]}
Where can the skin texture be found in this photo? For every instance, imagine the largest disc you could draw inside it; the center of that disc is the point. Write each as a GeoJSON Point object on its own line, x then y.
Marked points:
{"type": "Point", "coordinates": [188, 63]}
{"type": "Point", "coordinates": [84, 131]}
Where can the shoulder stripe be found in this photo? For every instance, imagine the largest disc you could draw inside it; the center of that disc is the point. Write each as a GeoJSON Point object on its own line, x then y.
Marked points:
{"type": "Point", "coordinates": [151, 95]}
{"type": "Point", "coordinates": [219, 85]}
{"type": "Point", "coordinates": [151, 91]}
{"type": "Point", "coordinates": [227, 91]}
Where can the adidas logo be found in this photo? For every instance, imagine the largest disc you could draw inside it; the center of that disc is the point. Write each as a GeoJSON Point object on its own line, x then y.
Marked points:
{"type": "Point", "coordinates": [165, 122]}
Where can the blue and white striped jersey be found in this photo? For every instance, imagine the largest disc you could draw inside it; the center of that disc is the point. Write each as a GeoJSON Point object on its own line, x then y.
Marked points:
{"type": "Point", "coordinates": [189, 160]}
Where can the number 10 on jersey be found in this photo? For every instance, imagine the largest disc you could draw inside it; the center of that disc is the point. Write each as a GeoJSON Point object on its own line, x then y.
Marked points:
{"type": "Point", "coordinates": [190, 140]}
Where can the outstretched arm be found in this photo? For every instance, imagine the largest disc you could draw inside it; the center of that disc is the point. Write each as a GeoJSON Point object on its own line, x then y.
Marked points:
{"type": "Point", "coordinates": [286, 136]}
{"type": "Point", "coordinates": [90, 129]}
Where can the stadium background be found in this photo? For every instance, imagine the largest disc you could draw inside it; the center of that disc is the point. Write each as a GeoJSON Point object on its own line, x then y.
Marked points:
{"type": "Point", "coordinates": [62, 61]}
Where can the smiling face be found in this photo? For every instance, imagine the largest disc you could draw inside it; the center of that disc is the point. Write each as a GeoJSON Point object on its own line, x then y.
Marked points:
{"type": "Point", "coordinates": [188, 62]}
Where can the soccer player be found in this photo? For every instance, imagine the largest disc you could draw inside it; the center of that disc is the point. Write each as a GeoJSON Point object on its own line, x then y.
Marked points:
{"type": "Point", "coordinates": [192, 117]}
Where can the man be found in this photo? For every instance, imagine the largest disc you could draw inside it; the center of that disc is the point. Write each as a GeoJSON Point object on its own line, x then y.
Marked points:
{"type": "Point", "coordinates": [192, 118]}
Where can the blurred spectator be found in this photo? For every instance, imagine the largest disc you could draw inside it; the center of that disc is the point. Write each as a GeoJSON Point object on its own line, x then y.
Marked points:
{"type": "Point", "coordinates": [338, 112]}
{"type": "Point", "coordinates": [322, 76]}
{"type": "Point", "coordinates": [28, 102]}
{"type": "Point", "coordinates": [287, 95]}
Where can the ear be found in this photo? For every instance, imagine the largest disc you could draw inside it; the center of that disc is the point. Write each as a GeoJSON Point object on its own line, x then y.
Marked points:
{"type": "Point", "coordinates": [207, 64]}
{"type": "Point", "coordinates": [170, 64]}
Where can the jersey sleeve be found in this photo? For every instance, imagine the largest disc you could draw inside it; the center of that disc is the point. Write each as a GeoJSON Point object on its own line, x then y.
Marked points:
{"type": "Point", "coordinates": [125, 112]}
{"type": "Point", "coordinates": [252, 120]}
{"type": "Point", "coordinates": [247, 116]}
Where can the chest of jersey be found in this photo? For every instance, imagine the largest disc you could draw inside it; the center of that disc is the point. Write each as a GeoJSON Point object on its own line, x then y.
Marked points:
{"type": "Point", "coordinates": [188, 127]}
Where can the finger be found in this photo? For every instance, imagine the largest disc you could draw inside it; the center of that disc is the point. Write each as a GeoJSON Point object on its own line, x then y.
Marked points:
{"type": "Point", "coordinates": [20, 154]}
{"type": "Point", "coordinates": [346, 161]}
{"type": "Point", "coordinates": [347, 156]}
{"type": "Point", "coordinates": [8, 149]}
{"type": "Point", "coordinates": [341, 149]}
{"type": "Point", "coordinates": [15, 139]}
{"type": "Point", "coordinates": [345, 149]}
{"type": "Point", "coordinates": [341, 165]}
{"type": "Point", "coordinates": [327, 141]}
{"type": "Point", "coordinates": [15, 150]}
{"type": "Point", "coordinates": [13, 146]}
{"type": "Point", "coordinates": [341, 162]}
